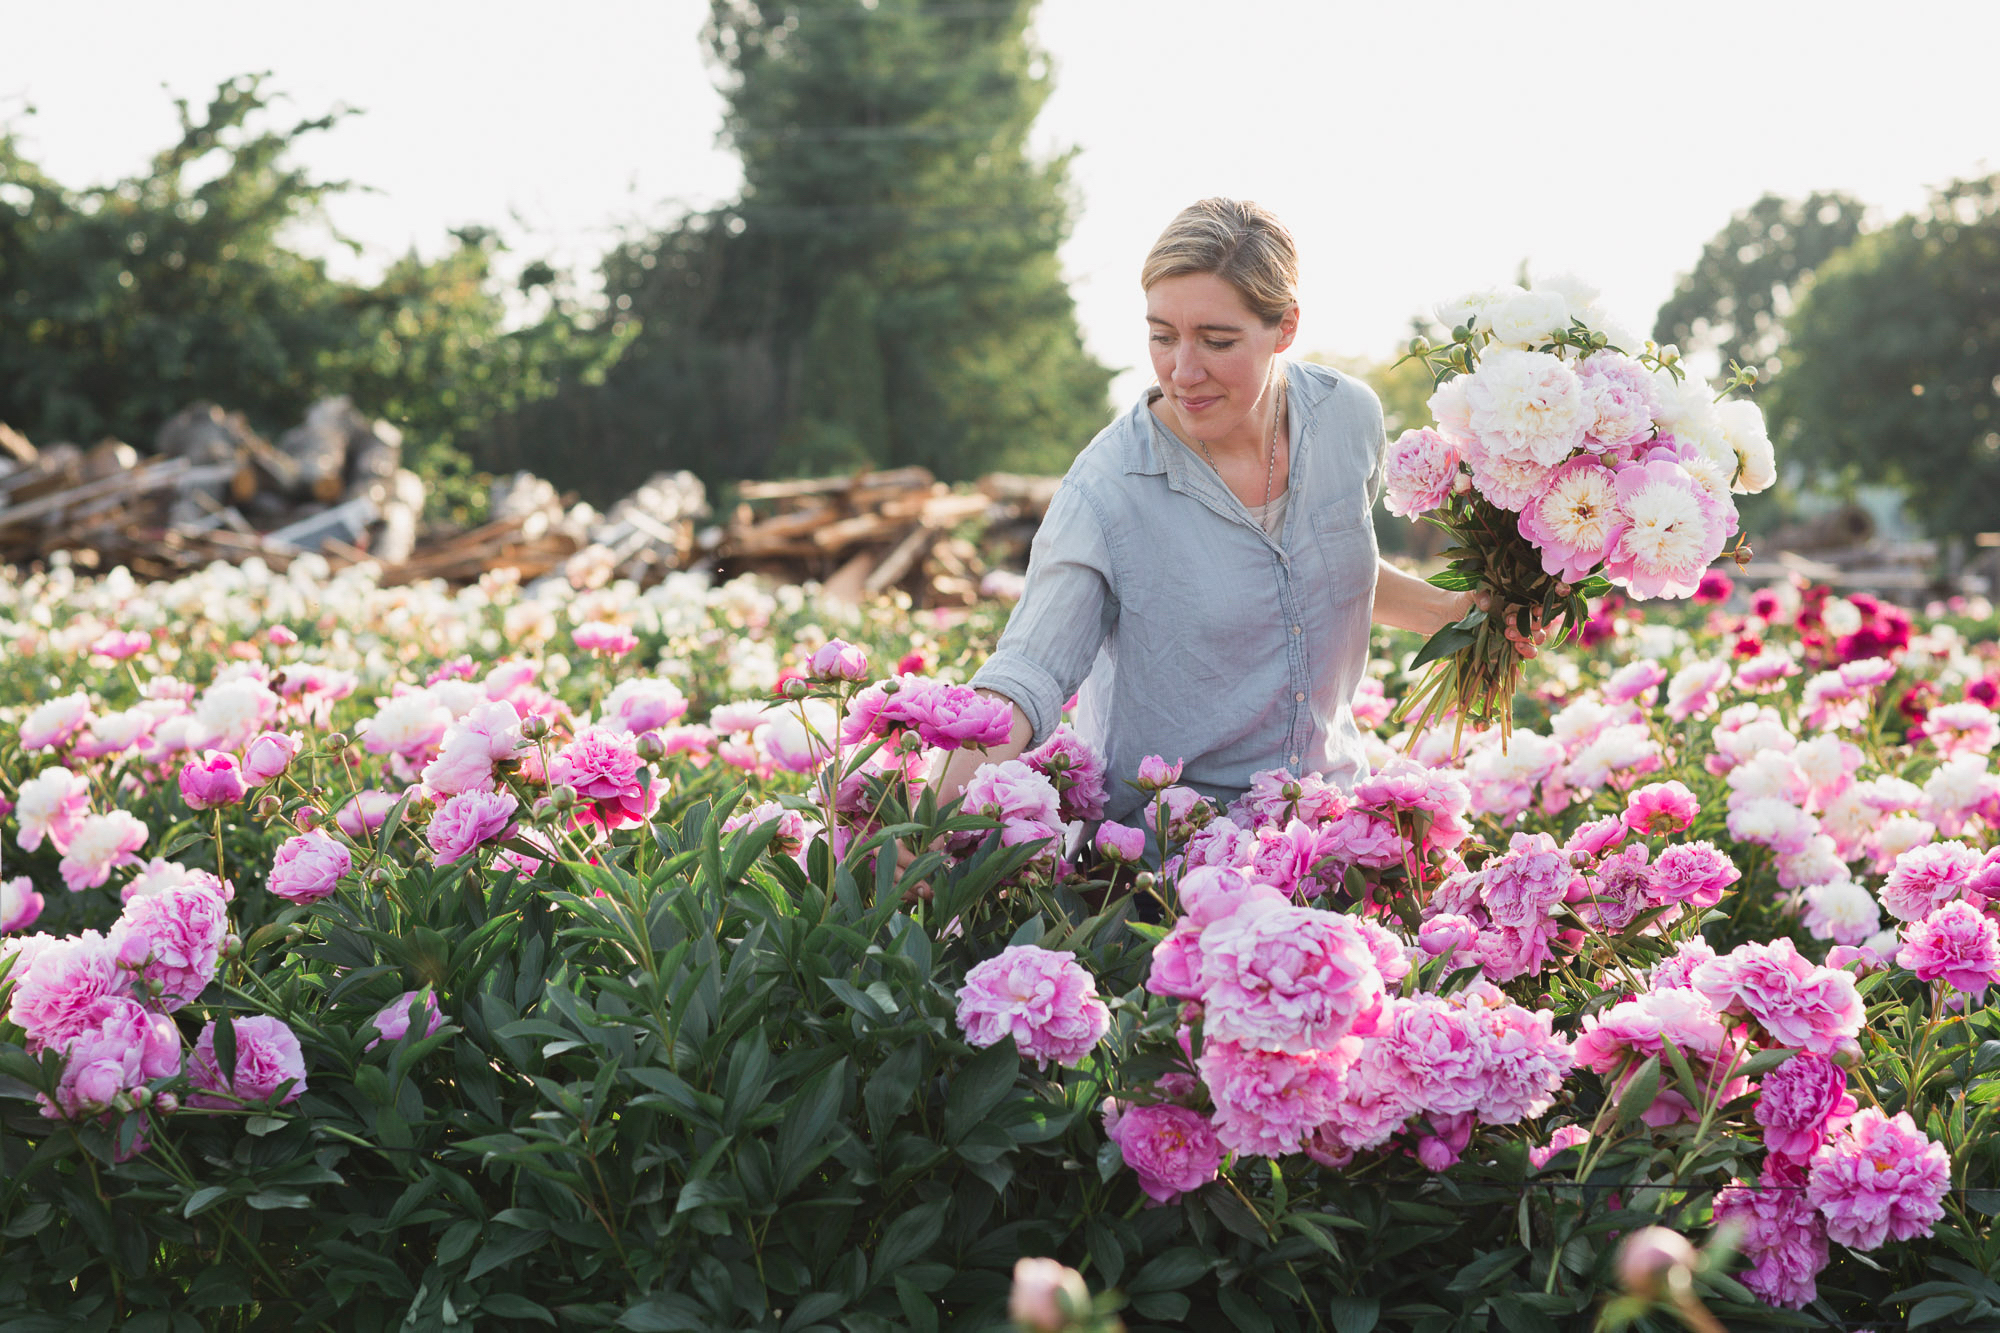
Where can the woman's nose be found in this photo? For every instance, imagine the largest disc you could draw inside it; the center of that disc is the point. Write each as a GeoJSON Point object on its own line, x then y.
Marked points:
{"type": "Point", "coordinates": [1187, 367]}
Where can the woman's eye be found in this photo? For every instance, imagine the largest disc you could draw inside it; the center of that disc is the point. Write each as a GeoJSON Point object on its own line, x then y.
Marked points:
{"type": "Point", "coordinates": [1162, 339]}
{"type": "Point", "coordinates": [1221, 346]}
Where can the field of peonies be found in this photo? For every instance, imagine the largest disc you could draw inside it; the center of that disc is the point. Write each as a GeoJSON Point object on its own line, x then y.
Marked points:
{"type": "Point", "coordinates": [538, 957]}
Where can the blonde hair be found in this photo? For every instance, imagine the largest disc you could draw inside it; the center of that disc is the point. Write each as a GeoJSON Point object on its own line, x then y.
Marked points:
{"type": "Point", "coordinates": [1240, 242]}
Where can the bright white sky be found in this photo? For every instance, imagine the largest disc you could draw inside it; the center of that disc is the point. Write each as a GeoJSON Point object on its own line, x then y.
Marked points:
{"type": "Point", "coordinates": [1416, 150]}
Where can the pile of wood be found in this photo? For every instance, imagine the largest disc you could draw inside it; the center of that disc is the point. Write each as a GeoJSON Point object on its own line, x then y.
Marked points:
{"type": "Point", "coordinates": [335, 485]}
{"type": "Point", "coordinates": [862, 535]}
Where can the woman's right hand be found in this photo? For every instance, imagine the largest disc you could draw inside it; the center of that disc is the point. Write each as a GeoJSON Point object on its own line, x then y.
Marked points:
{"type": "Point", "coordinates": [1527, 645]}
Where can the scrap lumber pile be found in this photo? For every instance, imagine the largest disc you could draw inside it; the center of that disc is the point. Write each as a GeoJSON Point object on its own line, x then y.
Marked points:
{"type": "Point", "coordinates": [865, 534]}
{"type": "Point", "coordinates": [216, 490]}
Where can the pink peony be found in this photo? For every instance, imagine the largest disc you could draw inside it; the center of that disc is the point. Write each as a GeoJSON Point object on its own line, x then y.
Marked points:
{"type": "Point", "coordinates": [1880, 1178]}
{"type": "Point", "coordinates": [49, 725]}
{"type": "Point", "coordinates": [213, 780]}
{"type": "Point", "coordinates": [1172, 1150]}
{"type": "Point", "coordinates": [639, 704]}
{"type": "Point", "coordinates": [1693, 690]}
{"type": "Point", "coordinates": [1156, 773]}
{"type": "Point", "coordinates": [608, 777]}
{"type": "Point", "coordinates": [1561, 1138]}
{"type": "Point", "coordinates": [1526, 1063]}
{"type": "Point", "coordinates": [1419, 470]}
{"type": "Point", "coordinates": [952, 716]}
{"type": "Point", "coordinates": [19, 904]}
{"type": "Point", "coordinates": [1925, 878]}
{"type": "Point", "coordinates": [1619, 891]}
{"type": "Point", "coordinates": [366, 813]}
{"type": "Point", "coordinates": [174, 939]}
{"type": "Point", "coordinates": [1956, 944]}
{"type": "Point", "coordinates": [1116, 842]}
{"type": "Point", "coordinates": [598, 636]}
{"type": "Point", "coordinates": [1431, 801]}
{"type": "Point", "coordinates": [1693, 873]}
{"type": "Point", "coordinates": [1175, 967]}
{"type": "Point", "coordinates": [487, 735]}
{"type": "Point", "coordinates": [53, 805]}
{"type": "Point", "coordinates": [1076, 768]}
{"type": "Point", "coordinates": [118, 1047]}
{"type": "Point", "coordinates": [1014, 795]}
{"type": "Point", "coordinates": [1670, 531]}
{"type": "Point", "coordinates": [1436, 1051]}
{"type": "Point", "coordinates": [1798, 1003]}
{"type": "Point", "coordinates": [1268, 1102]}
{"type": "Point", "coordinates": [1574, 519]}
{"type": "Point", "coordinates": [267, 1059]}
{"type": "Point", "coordinates": [1045, 1000]}
{"type": "Point", "coordinates": [1444, 935]}
{"type": "Point", "coordinates": [393, 1022]}
{"type": "Point", "coordinates": [120, 644]}
{"type": "Point", "coordinates": [1783, 1236]}
{"type": "Point", "coordinates": [838, 660]}
{"type": "Point", "coordinates": [1799, 1102]}
{"type": "Point", "coordinates": [101, 844]}
{"type": "Point", "coordinates": [1617, 1039]}
{"type": "Point", "coordinates": [159, 874]}
{"type": "Point", "coordinates": [1660, 808]}
{"type": "Point", "coordinates": [268, 755]}
{"type": "Point", "coordinates": [1284, 978]}
{"type": "Point", "coordinates": [1960, 728]}
{"type": "Point", "coordinates": [1622, 399]}
{"type": "Point", "coordinates": [468, 819]}
{"type": "Point", "coordinates": [55, 989]}
{"type": "Point", "coordinates": [1046, 1296]}
{"type": "Point", "coordinates": [308, 867]}
{"type": "Point", "coordinates": [1635, 682]}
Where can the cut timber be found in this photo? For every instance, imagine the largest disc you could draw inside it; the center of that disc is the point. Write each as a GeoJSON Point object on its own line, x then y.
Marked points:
{"type": "Point", "coordinates": [319, 446]}
{"type": "Point", "coordinates": [15, 446]}
{"type": "Point", "coordinates": [345, 522]}
{"type": "Point", "coordinates": [849, 583]}
{"type": "Point", "coordinates": [139, 481]}
{"type": "Point", "coordinates": [899, 560]}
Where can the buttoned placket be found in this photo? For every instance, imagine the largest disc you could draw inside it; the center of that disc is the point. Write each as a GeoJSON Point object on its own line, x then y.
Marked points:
{"type": "Point", "coordinates": [1205, 485]}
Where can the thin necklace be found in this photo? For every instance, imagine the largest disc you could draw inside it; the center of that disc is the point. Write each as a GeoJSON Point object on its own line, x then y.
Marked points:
{"type": "Point", "coordinates": [1270, 467]}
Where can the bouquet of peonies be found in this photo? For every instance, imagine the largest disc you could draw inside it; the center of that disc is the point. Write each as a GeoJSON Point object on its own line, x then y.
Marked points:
{"type": "Point", "coordinates": [1562, 467]}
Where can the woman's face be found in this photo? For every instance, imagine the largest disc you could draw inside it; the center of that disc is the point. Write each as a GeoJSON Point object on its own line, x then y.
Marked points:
{"type": "Point", "coordinates": [1211, 355]}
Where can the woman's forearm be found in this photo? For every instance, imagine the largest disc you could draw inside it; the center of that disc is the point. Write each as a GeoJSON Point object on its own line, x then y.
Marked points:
{"type": "Point", "coordinates": [1404, 601]}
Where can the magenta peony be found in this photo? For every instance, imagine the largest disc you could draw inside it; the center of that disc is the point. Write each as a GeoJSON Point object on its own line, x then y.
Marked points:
{"type": "Point", "coordinates": [1783, 1236]}
{"type": "Point", "coordinates": [1880, 1178]}
{"type": "Point", "coordinates": [609, 777]}
{"type": "Point", "coordinates": [1046, 1001]}
{"type": "Point", "coordinates": [1172, 1150]}
{"type": "Point", "coordinates": [1268, 1102]}
{"type": "Point", "coordinates": [308, 867]}
{"type": "Point", "coordinates": [267, 1059]}
{"type": "Point", "coordinates": [1799, 1102]}
{"type": "Point", "coordinates": [1283, 978]}
{"type": "Point", "coordinates": [213, 780]}
{"type": "Point", "coordinates": [1076, 769]}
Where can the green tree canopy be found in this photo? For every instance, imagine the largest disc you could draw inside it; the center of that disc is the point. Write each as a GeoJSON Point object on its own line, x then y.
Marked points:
{"type": "Point", "coordinates": [126, 302]}
{"type": "Point", "coordinates": [1893, 364]}
{"type": "Point", "coordinates": [1750, 273]}
{"type": "Point", "coordinates": [885, 288]}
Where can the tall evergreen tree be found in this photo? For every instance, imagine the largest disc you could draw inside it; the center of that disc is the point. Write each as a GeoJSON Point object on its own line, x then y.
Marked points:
{"type": "Point", "coordinates": [886, 287]}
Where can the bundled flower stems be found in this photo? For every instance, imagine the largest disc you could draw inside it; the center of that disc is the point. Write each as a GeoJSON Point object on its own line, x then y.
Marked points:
{"type": "Point", "coordinates": [1562, 467]}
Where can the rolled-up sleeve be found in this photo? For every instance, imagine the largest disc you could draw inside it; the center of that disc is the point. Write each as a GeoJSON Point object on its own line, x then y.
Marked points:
{"type": "Point", "coordinates": [1067, 609]}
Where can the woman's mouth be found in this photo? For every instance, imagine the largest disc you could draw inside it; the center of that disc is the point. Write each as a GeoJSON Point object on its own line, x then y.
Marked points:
{"type": "Point", "coordinates": [1198, 404]}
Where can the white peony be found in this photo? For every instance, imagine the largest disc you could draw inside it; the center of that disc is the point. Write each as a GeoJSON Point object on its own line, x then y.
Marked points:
{"type": "Point", "coordinates": [1467, 310]}
{"type": "Point", "coordinates": [1897, 834]}
{"type": "Point", "coordinates": [1451, 411]}
{"type": "Point", "coordinates": [1528, 318]}
{"type": "Point", "coordinates": [1842, 911]}
{"type": "Point", "coordinates": [1742, 425]}
{"type": "Point", "coordinates": [1527, 407]}
{"type": "Point", "coordinates": [230, 712]}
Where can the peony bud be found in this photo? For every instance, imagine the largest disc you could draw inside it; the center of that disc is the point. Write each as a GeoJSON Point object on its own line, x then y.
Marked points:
{"type": "Point", "coordinates": [232, 945]}
{"type": "Point", "coordinates": [336, 742]}
{"type": "Point", "coordinates": [1419, 345]}
{"type": "Point", "coordinates": [1652, 1257]}
{"type": "Point", "coordinates": [1046, 1296]}
{"type": "Point", "coordinates": [269, 806]}
{"type": "Point", "coordinates": [534, 727]}
{"type": "Point", "coordinates": [562, 796]}
{"type": "Point", "coordinates": [166, 1103]}
{"type": "Point", "coordinates": [141, 1095]}
{"type": "Point", "coordinates": [650, 747]}
{"type": "Point", "coordinates": [796, 688]}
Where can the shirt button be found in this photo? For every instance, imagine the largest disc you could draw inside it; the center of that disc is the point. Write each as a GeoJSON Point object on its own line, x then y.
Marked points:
{"type": "Point", "coordinates": [1300, 697]}
{"type": "Point", "coordinates": [1297, 630]}
{"type": "Point", "coordinates": [1295, 759]}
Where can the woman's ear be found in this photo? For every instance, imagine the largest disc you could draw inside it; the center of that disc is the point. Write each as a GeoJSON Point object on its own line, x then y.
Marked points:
{"type": "Point", "coordinates": [1288, 326]}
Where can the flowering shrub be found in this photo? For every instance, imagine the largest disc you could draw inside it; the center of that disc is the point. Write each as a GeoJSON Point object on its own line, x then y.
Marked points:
{"type": "Point", "coordinates": [589, 992]}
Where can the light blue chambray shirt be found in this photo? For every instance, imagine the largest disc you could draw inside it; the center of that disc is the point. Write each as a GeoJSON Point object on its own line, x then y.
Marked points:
{"type": "Point", "coordinates": [1185, 630]}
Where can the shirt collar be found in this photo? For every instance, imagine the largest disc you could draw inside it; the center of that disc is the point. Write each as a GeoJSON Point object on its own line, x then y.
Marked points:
{"type": "Point", "coordinates": [1158, 452]}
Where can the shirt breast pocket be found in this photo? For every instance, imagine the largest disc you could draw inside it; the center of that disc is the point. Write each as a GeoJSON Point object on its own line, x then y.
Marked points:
{"type": "Point", "coordinates": [1344, 549]}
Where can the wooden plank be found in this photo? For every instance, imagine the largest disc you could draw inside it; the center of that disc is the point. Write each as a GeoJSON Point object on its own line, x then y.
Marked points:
{"type": "Point", "coordinates": [139, 481]}
{"type": "Point", "coordinates": [861, 528]}
{"type": "Point", "coordinates": [897, 563]}
{"type": "Point", "coordinates": [848, 583]}
{"type": "Point", "coordinates": [15, 445]}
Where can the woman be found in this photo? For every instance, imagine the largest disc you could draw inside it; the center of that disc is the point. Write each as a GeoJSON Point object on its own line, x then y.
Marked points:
{"type": "Point", "coordinates": [1206, 575]}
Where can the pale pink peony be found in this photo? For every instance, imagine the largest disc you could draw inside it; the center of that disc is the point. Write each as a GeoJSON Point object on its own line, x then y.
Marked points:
{"type": "Point", "coordinates": [1925, 878]}
{"type": "Point", "coordinates": [20, 905]}
{"type": "Point", "coordinates": [1508, 483]}
{"type": "Point", "coordinates": [1419, 470]}
{"type": "Point", "coordinates": [1115, 842]}
{"type": "Point", "coordinates": [53, 805]}
{"type": "Point", "coordinates": [1014, 795]}
{"type": "Point", "coordinates": [267, 1058]}
{"type": "Point", "coordinates": [608, 777]}
{"type": "Point", "coordinates": [1561, 1138]}
{"type": "Point", "coordinates": [1962, 728]}
{"type": "Point", "coordinates": [1284, 978]}
{"type": "Point", "coordinates": [159, 874]}
{"type": "Point", "coordinates": [1621, 398]}
{"type": "Point", "coordinates": [487, 735]}
{"type": "Point", "coordinates": [213, 780]}
{"type": "Point", "coordinates": [1433, 800]}
{"type": "Point", "coordinates": [1766, 672]}
{"type": "Point", "coordinates": [366, 813]}
{"type": "Point", "coordinates": [599, 636]}
{"type": "Point", "coordinates": [639, 704]}
{"type": "Point", "coordinates": [1172, 1150]}
{"type": "Point", "coordinates": [1957, 944]}
{"type": "Point", "coordinates": [49, 725]}
{"type": "Point", "coordinates": [174, 940]}
{"type": "Point", "coordinates": [120, 644]}
{"type": "Point", "coordinates": [1693, 873]}
{"type": "Point", "coordinates": [468, 819]}
{"type": "Point", "coordinates": [57, 981]}
{"type": "Point", "coordinates": [1445, 935]}
{"type": "Point", "coordinates": [1574, 519]}
{"type": "Point", "coordinates": [1175, 966]}
{"type": "Point", "coordinates": [1799, 1004]}
{"type": "Point", "coordinates": [1635, 682]}
{"type": "Point", "coordinates": [1268, 1102]}
{"type": "Point", "coordinates": [1527, 407]}
{"type": "Point", "coordinates": [410, 723]}
{"type": "Point", "coordinates": [1660, 808]}
{"type": "Point", "coordinates": [1045, 1000]}
{"type": "Point", "coordinates": [393, 1022]}
{"type": "Point", "coordinates": [1526, 1063]}
{"type": "Point", "coordinates": [1156, 773]}
{"type": "Point", "coordinates": [1275, 796]}
{"type": "Point", "coordinates": [268, 755]}
{"type": "Point", "coordinates": [1783, 1236]}
{"type": "Point", "coordinates": [1436, 1051]}
{"type": "Point", "coordinates": [308, 867]}
{"type": "Point", "coordinates": [837, 659]}
{"type": "Point", "coordinates": [100, 845]}
{"type": "Point", "coordinates": [1670, 531]}
{"type": "Point", "coordinates": [1800, 1102]}
{"type": "Point", "coordinates": [1694, 688]}
{"type": "Point", "coordinates": [1880, 1178]}
{"type": "Point", "coordinates": [1842, 911]}
{"type": "Point", "coordinates": [1046, 1296]}
{"type": "Point", "coordinates": [118, 1047]}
